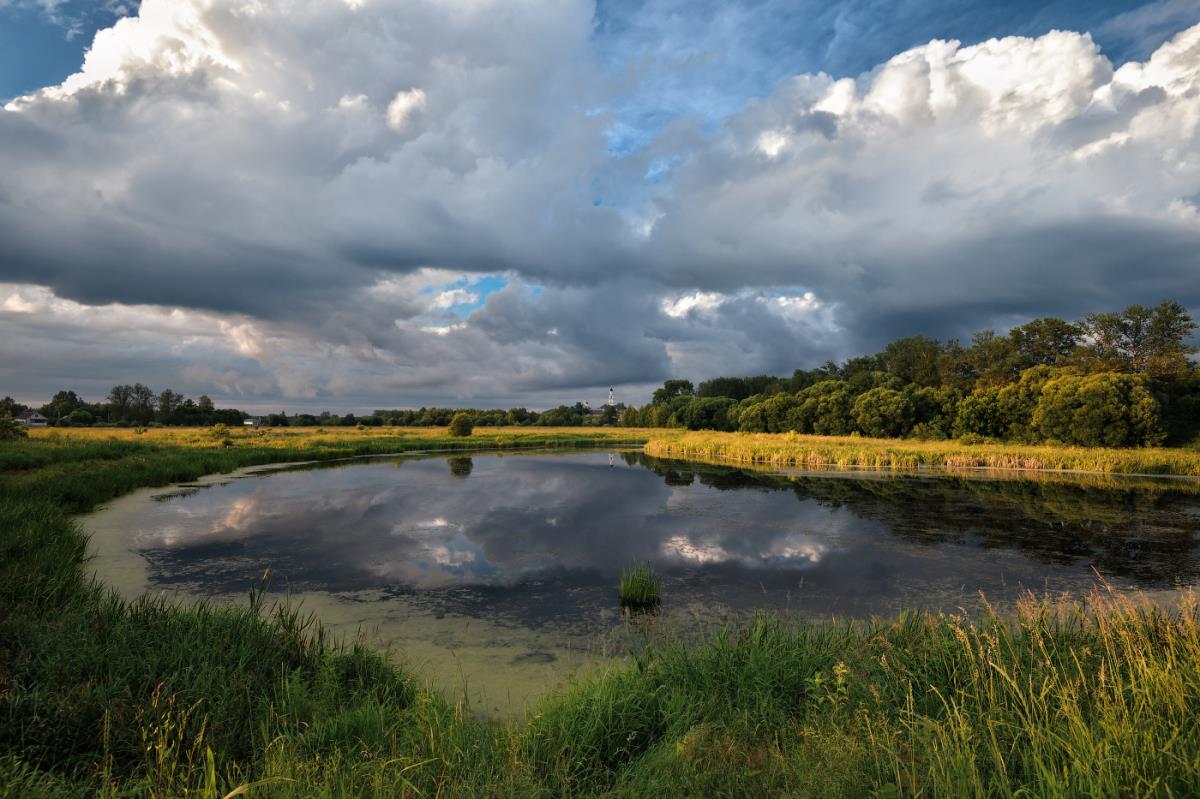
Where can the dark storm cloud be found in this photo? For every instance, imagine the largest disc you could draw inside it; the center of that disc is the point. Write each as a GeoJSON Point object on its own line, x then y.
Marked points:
{"type": "Point", "coordinates": [287, 203]}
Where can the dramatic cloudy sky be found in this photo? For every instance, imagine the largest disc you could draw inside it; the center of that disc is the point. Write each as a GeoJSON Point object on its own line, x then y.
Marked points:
{"type": "Point", "coordinates": [350, 204]}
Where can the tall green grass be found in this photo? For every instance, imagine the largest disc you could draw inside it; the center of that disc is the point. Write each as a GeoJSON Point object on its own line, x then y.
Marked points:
{"type": "Point", "coordinates": [103, 697]}
{"type": "Point", "coordinates": [640, 588]}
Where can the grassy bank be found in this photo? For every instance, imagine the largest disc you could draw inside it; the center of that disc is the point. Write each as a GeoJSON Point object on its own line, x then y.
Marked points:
{"type": "Point", "coordinates": [100, 697]}
{"type": "Point", "coordinates": [792, 450]}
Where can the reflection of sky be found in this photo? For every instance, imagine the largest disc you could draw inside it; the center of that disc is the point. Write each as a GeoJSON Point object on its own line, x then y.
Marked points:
{"type": "Point", "coordinates": [572, 520]}
{"type": "Point", "coordinates": [514, 519]}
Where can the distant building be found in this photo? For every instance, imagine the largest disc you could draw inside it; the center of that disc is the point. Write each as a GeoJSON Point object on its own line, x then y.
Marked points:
{"type": "Point", "coordinates": [32, 419]}
{"type": "Point", "coordinates": [252, 421]}
{"type": "Point", "coordinates": [586, 407]}
{"type": "Point", "coordinates": [611, 403]}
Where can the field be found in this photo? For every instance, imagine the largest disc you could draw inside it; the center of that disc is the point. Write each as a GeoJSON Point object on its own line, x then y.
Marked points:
{"type": "Point", "coordinates": [101, 697]}
{"type": "Point", "coordinates": [791, 450]}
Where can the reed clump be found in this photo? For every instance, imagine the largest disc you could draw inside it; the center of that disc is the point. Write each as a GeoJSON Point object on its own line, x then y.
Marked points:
{"type": "Point", "coordinates": [640, 588]}
{"type": "Point", "coordinates": [819, 452]}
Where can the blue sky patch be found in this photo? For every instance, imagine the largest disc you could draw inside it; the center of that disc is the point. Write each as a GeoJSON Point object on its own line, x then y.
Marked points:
{"type": "Point", "coordinates": [478, 288]}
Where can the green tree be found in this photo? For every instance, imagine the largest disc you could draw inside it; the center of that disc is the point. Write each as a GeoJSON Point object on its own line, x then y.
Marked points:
{"type": "Point", "coordinates": [856, 366]}
{"type": "Point", "coordinates": [461, 424]}
{"type": "Point", "coordinates": [1044, 342]}
{"type": "Point", "coordinates": [671, 390]}
{"type": "Point", "coordinates": [141, 404]}
{"type": "Point", "coordinates": [1150, 341]}
{"type": "Point", "coordinates": [1004, 412]}
{"type": "Point", "coordinates": [739, 388]}
{"type": "Point", "coordinates": [955, 369]}
{"type": "Point", "coordinates": [1179, 403]}
{"type": "Point", "coordinates": [979, 414]}
{"type": "Point", "coordinates": [518, 416]}
{"type": "Point", "coordinates": [769, 415]}
{"type": "Point", "coordinates": [993, 358]}
{"type": "Point", "coordinates": [662, 416]}
{"type": "Point", "coordinates": [205, 404]}
{"type": "Point", "coordinates": [10, 407]}
{"type": "Point", "coordinates": [913, 360]}
{"type": "Point", "coordinates": [883, 413]}
{"type": "Point", "coordinates": [709, 413]}
{"type": "Point", "coordinates": [825, 409]}
{"type": "Point", "coordinates": [862, 382]}
{"type": "Point", "coordinates": [79, 417]}
{"type": "Point", "coordinates": [169, 402]}
{"type": "Point", "coordinates": [933, 410]}
{"type": "Point", "coordinates": [120, 399]}
{"type": "Point", "coordinates": [10, 429]}
{"type": "Point", "coordinates": [1105, 409]}
{"type": "Point", "coordinates": [1016, 402]}
{"type": "Point", "coordinates": [751, 415]}
{"type": "Point", "coordinates": [61, 405]}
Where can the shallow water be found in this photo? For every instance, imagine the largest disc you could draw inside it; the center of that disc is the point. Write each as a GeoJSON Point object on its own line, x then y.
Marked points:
{"type": "Point", "coordinates": [496, 574]}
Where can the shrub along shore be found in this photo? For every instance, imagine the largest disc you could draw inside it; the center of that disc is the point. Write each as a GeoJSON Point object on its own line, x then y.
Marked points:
{"type": "Point", "coordinates": [102, 697]}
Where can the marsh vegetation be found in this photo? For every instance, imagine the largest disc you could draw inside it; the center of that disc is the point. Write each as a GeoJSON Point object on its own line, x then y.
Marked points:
{"type": "Point", "coordinates": [153, 697]}
{"type": "Point", "coordinates": [640, 588]}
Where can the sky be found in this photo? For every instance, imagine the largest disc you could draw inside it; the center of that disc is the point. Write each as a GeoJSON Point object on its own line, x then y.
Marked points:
{"type": "Point", "coordinates": [354, 204]}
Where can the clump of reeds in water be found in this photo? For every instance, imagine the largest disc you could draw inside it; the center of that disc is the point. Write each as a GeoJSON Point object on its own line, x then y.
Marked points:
{"type": "Point", "coordinates": [640, 588]}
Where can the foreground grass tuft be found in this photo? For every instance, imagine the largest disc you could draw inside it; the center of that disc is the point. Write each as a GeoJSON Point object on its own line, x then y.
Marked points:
{"type": "Point", "coordinates": [103, 697]}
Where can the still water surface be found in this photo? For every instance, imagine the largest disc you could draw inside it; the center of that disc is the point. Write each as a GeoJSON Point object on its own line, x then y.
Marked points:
{"type": "Point", "coordinates": [496, 574]}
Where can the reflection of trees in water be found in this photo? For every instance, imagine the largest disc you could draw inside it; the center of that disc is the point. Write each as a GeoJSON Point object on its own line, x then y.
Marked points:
{"type": "Point", "coordinates": [678, 477]}
{"type": "Point", "coordinates": [461, 467]}
{"type": "Point", "coordinates": [1145, 532]}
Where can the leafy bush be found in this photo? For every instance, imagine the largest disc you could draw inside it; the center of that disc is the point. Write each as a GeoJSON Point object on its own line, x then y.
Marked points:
{"type": "Point", "coordinates": [220, 433]}
{"type": "Point", "coordinates": [709, 413]}
{"type": "Point", "coordinates": [825, 409]}
{"type": "Point", "coordinates": [461, 425]}
{"type": "Point", "coordinates": [933, 411]}
{"type": "Point", "coordinates": [11, 429]}
{"type": "Point", "coordinates": [80, 417]}
{"type": "Point", "coordinates": [883, 413]}
{"type": "Point", "coordinates": [1004, 412]}
{"type": "Point", "coordinates": [1107, 409]}
{"type": "Point", "coordinates": [1179, 404]}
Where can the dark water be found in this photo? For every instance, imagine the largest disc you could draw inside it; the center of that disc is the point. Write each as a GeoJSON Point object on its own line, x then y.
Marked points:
{"type": "Point", "coordinates": [540, 540]}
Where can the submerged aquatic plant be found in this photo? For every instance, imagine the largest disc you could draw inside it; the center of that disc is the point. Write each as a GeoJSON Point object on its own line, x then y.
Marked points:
{"type": "Point", "coordinates": [640, 588]}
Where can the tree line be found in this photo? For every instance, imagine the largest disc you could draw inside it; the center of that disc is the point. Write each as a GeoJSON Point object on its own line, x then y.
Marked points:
{"type": "Point", "coordinates": [1122, 378]}
{"type": "Point", "coordinates": [137, 405]}
{"type": "Point", "coordinates": [128, 406]}
{"type": "Point", "coordinates": [577, 415]}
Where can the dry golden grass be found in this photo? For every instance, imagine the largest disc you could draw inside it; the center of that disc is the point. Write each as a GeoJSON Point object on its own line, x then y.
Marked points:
{"type": "Point", "coordinates": [793, 450]}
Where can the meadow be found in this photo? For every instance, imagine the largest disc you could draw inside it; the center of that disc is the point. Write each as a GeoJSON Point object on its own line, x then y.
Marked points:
{"type": "Point", "coordinates": [1085, 696]}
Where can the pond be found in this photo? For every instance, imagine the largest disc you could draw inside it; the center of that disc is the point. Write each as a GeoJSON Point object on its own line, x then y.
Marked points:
{"type": "Point", "coordinates": [495, 575]}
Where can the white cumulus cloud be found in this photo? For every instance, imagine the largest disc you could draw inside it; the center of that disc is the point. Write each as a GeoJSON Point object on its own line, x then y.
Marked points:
{"type": "Point", "coordinates": [223, 188]}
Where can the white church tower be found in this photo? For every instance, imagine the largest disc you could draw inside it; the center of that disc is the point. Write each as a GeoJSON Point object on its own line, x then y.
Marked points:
{"type": "Point", "coordinates": [611, 400]}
